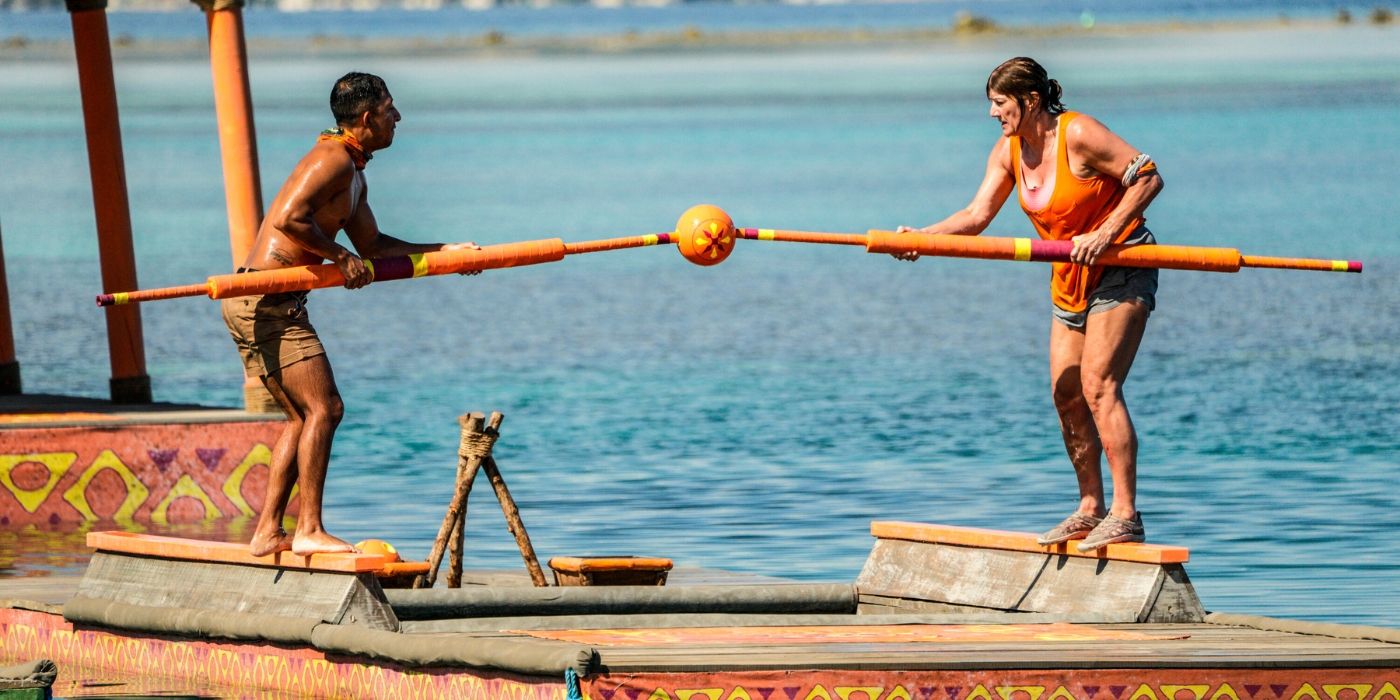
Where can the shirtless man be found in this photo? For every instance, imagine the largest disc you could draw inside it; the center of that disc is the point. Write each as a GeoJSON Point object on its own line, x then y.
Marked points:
{"type": "Point", "coordinates": [325, 194]}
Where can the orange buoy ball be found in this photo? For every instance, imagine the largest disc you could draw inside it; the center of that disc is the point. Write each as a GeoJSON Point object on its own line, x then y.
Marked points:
{"type": "Point", "coordinates": [379, 547]}
{"type": "Point", "coordinates": [705, 234]}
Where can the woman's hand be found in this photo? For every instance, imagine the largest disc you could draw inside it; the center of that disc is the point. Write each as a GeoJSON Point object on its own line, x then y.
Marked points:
{"type": "Point", "coordinates": [1089, 246]}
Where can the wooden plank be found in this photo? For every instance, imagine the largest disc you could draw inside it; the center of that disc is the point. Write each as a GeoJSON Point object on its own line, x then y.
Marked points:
{"type": "Point", "coordinates": [228, 553]}
{"type": "Point", "coordinates": [945, 574]}
{"type": "Point", "coordinates": [1023, 542]}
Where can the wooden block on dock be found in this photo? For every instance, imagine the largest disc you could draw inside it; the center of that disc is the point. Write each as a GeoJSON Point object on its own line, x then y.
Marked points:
{"type": "Point", "coordinates": [154, 573]}
{"type": "Point", "coordinates": [610, 571]}
{"type": "Point", "coordinates": [916, 566]}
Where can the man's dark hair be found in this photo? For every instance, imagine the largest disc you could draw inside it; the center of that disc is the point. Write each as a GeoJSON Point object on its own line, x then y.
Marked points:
{"type": "Point", "coordinates": [354, 94]}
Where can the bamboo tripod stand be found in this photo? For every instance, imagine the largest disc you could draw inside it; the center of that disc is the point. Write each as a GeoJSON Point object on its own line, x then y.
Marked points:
{"type": "Point", "coordinates": [474, 454]}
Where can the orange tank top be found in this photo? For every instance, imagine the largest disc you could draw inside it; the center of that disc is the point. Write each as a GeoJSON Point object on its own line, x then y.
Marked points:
{"type": "Point", "coordinates": [1076, 205]}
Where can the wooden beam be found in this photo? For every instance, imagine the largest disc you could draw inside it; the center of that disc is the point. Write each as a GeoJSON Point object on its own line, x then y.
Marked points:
{"type": "Point", "coordinates": [1023, 542]}
{"type": "Point", "coordinates": [162, 547]}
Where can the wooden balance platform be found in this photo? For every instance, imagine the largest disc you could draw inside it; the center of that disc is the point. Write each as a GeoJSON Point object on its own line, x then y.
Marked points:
{"type": "Point", "coordinates": [937, 613]}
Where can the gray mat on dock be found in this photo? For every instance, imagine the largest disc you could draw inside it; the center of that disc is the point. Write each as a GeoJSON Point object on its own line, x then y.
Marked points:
{"type": "Point", "coordinates": [439, 604]}
{"type": "Point", "coordinates": [593, 622]}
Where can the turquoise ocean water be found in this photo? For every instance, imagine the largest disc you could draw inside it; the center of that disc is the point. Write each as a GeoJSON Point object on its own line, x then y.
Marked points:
{"type": "Point", "coordinates": [759, 414]}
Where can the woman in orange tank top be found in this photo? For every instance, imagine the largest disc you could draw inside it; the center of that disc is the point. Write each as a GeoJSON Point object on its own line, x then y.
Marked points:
{"type": "Point", "coordinates": [1077, 181]}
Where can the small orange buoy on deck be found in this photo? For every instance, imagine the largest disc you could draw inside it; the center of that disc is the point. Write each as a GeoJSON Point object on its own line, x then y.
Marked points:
{"type": "Point", "coordinates": [379, 547]}
{"type": "Point", "coordinates": [705, 234]}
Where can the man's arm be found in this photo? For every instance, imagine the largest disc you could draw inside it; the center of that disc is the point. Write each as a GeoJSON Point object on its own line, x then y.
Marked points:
{"type": "Point", "coordinates": [365, 235]}
{"type": "Point", "coordinates": [315, 182]}
{"type": "Point", "coordinates": [1105, 152]}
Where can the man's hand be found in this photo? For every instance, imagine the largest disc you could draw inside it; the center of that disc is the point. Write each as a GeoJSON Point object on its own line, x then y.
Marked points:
{"type": "Point", "coordinates": [353, 269]}
{"type": "Point", "coordinates": [462, 246]}
{"type": "Point", "coordinates": [1089, 246]}
{"type": "Point", "coordinates": [910, 255]}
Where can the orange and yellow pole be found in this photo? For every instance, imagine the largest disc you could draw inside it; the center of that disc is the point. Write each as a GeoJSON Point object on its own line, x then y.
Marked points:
{"type": "Point", "coordinates": [129, 383]}
{"type": "Point", "coordinates": [9, 366]}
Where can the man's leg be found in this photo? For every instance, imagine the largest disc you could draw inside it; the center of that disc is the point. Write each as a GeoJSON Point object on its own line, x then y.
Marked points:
{"type": "Point", "coordinates": [269, 537]}
{"type": "Point", "coordinates": [1111, 341]}
{"type": "Point", "coordinates": [1076, 421]}
{"type": "Point", "coordinates": [310, 386]}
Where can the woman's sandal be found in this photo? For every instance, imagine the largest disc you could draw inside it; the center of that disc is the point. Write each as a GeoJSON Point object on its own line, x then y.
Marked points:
{"type": "Point", "coordinates": [1114, 530]}
{"type": "Point", "coordinates": [1076, 526]}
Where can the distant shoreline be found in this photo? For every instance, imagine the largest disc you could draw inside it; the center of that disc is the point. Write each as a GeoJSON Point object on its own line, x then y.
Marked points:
{"type": "Point", "coordinates": [689, 39]}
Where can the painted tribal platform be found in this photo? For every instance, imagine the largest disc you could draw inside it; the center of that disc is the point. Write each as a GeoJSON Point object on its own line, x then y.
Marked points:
{"type": "Point", "coordinates": [70, 461]}
{"type": "Point", "coordinates": [922, 622]}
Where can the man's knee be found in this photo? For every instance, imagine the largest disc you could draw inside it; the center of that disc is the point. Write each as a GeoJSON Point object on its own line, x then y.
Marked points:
{"type": "Point", "coordinates": [331, 409]}
{"type": "Point", "coordinates": [335, 409]}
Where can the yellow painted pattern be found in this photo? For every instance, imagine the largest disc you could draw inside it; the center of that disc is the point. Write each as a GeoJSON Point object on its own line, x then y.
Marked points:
{"type": "Point", "coordinates": [120, 298]}
{"type": "Point", "coordinates": [936, 686]}
{"type": "Point", "coordinates": [233, 486]}
{"type": "Point", "coordinates": [136, 492]}
{"type": "Point", "coordinates": [1339, 266]}
{"type": "Point", "coordinates": [765, 234]}
{"type": "Point", "coordinates": [1023, 249]}
{"type": "Point", "coordinates": [57, 463]}
{"type": "Point", "coordinates": [185, 488]}
{"type": "Point", "coordinates": [650, 239]}
{"type": "Point", "coordinates": [420, 264]}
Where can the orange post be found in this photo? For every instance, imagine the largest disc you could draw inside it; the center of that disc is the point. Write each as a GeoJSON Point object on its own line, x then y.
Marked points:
{"type": "Point", "coordinates": [9, 366]}
{"type": "Point", "coordinates": [130, 383]}
{"type": "Point", "coordinates": [233, 104]}
{"type": "Point", "coordinates": [238, 143]}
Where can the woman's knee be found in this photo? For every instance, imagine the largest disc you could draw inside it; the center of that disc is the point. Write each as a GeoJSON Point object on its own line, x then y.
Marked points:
{"type": "Point", "coordinates": [1101, 391]}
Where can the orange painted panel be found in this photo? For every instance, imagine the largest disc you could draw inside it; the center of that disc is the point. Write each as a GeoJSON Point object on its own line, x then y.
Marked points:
{"type": "Point", "coordinates": [1022, 542]}
{"type": "Point", "coordinates": [1006, 684]}
{"type": "Point", "coordinates": [232, 669]}
{"type": "Point", "coordinates": [227, 553]}
{"type": "Point", "coordinates": [162, 473]}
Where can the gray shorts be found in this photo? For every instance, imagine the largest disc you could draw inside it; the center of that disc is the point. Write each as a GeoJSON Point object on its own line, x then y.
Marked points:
{"type": "Point", "coordinates": [1118, 284]}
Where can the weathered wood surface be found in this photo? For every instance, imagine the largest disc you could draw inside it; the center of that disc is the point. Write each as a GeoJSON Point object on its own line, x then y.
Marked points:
{"type": "Point", "coordinates": [1207, 646]}
{"type": "Point", "coordinates": [928, 576]}
{"type": "Point", "coordinates": [162, 583]}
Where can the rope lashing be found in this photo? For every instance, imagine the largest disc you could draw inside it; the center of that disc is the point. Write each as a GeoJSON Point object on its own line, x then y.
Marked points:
{"type": "Point", "coordinates": [476, 444]}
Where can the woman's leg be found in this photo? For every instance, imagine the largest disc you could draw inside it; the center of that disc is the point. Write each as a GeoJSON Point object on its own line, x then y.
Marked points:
{"type": "Point", "coordinates": [1111, 340]}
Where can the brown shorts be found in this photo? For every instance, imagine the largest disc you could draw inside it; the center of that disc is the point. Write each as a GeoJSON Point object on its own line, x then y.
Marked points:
{"type": "Point", "coordinates": [271, 331]}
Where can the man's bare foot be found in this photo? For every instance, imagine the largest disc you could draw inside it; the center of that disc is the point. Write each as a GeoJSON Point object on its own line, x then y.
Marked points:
{"type": "Point", "coordinates": [277, 541]}
{"type": "Point", "coordinates": [319, 543]}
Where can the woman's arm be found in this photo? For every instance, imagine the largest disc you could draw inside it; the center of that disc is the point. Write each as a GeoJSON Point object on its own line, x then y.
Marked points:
{"type": "Point", "coordinates": [1103, 152]}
